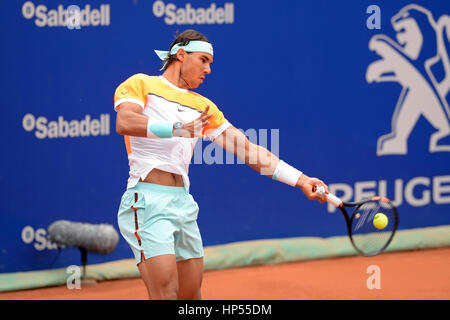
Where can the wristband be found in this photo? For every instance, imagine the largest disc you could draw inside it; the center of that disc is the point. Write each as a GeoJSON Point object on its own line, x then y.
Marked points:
{"type": "Point", "coordinates": [159, 129]}
{"type": "Point", "coordinates": [286, 174]}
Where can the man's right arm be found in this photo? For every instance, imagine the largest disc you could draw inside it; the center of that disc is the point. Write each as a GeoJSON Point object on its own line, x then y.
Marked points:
{"type": "Point", "coordinates": [130, 121]}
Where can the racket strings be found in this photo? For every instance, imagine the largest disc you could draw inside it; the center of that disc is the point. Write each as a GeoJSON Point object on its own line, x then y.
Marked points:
{"type": "Point", "coordinates": [371, 238]}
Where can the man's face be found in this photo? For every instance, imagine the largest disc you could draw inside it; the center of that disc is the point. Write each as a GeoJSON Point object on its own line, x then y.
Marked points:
{"type": "Point", "coordinates": [195, 67]}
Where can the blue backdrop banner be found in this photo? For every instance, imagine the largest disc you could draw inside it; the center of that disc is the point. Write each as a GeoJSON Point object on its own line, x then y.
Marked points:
{"type": "Point", "coordinates": [354, 93]}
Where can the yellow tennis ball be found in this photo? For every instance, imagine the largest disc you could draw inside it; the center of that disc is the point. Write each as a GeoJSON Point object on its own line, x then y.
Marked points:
{"type": "Point", "coordinates": [380, 221]}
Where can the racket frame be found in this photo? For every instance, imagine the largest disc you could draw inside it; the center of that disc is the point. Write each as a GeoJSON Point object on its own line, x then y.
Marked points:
{"type": "Point", "coordinates": [349, 220]}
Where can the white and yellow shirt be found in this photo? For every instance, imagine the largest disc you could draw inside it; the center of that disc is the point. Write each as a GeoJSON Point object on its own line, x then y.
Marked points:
{"type": "Point", "coordinates": [162, 101]}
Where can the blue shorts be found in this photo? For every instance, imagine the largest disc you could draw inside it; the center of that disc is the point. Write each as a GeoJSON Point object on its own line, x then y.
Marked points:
{"type": "Point", "coordinates": [157, 220]}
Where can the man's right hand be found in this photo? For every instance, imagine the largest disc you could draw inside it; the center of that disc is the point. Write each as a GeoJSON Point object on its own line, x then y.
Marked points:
{"type": "Point", "coordinates": [194, 128]}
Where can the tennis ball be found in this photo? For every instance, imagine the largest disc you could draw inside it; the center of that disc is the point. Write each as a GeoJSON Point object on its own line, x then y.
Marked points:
{"type": "Point", "coordinates": [380, 221]}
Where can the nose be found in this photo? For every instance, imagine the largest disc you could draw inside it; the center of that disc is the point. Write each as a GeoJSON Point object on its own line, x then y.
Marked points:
{"type": "Point", "coordinates": [208, 69]}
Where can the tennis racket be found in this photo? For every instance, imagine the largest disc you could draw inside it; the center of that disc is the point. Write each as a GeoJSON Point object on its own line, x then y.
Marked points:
{"type": "Point", "coordinates": [372, 225]}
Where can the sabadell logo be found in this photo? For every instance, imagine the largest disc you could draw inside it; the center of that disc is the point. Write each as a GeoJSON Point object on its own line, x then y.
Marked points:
{"type": "Point", "coordinates": [62, 128]}
{"type": "Point", "coordinates": [189, 15]}
{"type": "Point", "coordinates": [72, 17]}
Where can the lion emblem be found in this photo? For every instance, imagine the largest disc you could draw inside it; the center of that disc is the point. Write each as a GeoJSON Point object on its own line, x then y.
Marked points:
{"type": "Point", "coordinates": [421, 66]}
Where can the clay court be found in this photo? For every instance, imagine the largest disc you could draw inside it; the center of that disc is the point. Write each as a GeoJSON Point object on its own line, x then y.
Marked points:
{"type": "Point", "coordinates": [420, 274]}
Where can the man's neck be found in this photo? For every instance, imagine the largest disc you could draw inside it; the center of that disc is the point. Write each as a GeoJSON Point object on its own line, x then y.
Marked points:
{"type": "Point", "coordinates": [173, 75]}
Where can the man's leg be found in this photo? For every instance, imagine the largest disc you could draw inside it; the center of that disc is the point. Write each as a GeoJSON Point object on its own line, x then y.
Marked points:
{"type": "Point", "coordinates": [160, 277]}
{"type": "Point", "coordinates": [190, 276]}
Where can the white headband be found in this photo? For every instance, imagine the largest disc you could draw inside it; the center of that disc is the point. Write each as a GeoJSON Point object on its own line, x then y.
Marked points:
{"type": "Point", "coordinates": [192, 46]}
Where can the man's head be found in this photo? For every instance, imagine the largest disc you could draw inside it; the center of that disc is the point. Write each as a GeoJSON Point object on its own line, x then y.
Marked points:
{"type": "Point", "coordinates": [193, 66]}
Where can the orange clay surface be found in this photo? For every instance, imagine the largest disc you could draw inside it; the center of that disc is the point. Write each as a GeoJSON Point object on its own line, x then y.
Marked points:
{"type": "Point", "coordinates": [403, 275]}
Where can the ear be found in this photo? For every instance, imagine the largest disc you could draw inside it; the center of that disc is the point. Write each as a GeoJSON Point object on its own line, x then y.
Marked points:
{"type": "Point", "coordinates": [181, 55]}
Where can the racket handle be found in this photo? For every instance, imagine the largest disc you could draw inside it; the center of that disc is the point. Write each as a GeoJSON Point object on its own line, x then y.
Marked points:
{"type": "Point", "coordinates": [331, 198]}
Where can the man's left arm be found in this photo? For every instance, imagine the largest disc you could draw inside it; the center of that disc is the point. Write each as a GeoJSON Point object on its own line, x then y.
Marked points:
{"type": "Point", "coordinates": [266, 163]}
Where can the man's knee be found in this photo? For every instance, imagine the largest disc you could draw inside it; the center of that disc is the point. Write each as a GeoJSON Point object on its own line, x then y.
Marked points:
{"type": "Point", "coordinates": [193, 293]}
{"type": "Point", "coordinates": [165, 289]}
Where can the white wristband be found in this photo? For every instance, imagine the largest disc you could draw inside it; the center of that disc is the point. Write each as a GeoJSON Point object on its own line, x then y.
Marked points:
{"type": "Point", "coordinates": [286, 174]}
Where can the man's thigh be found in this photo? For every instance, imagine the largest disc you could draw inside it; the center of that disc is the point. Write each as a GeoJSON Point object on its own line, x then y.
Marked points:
{"type": "Point", "coordinates": [190, 276]}
{"type": "Point", "coordinates": [160, 275]}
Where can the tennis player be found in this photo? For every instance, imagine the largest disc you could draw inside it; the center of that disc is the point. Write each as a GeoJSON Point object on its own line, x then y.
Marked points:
{"type": "Point", "coordinates": [161, 120]}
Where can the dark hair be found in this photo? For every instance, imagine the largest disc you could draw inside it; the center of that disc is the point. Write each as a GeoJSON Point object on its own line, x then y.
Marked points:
{"type": "Point", "coordinates": [185, 37]}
